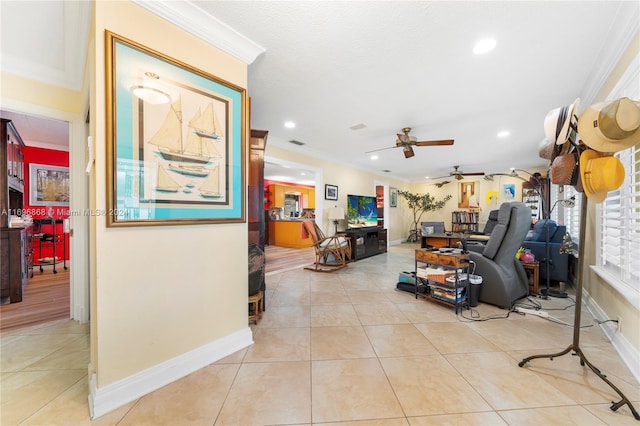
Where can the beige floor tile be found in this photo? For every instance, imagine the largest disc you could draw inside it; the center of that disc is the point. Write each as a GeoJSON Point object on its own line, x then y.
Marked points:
{"type": "Point", "coordinates": [380, 313]}
{"type": "Point", "coordinates": [567, 375]}
{"type": "Point", "coordinates": [622, 416]}
{"type": "Point", "coordinates": [285, 317]}
{"type": "Point", "coordinates": [269, 393]}
{"type": "Point", "coordinates": [574, 415]}
{"type": "Point", "coordinates": [333, 315]}
{"type": "Point", "coordinates": [287, 297]}
{"type": "Point", "coordinates": [532, 333]}
{"type": "Point", "coordinates": [343, 391]}
{"type": "Point", "coordinates": [74, 355]}
{"type": "Point", "coordinates": [340, 343]}
{"type": "Point", "coordinates": [428, 385]}
{"type": "Point", "coordinates": [280, 344]}
{"type": "Point", "coordinates": [24, 393]}
{"type": "Point", "coordinates": [367, 297]}
{"type": "Point", "coordinates": [454, 337]}
{"type": "Point", "coordinates": [505, 385]}
{"type": "Point", "coordinates": [27, 349]}
{"type": "Point", "coordinates": [71, 409]}
{"type": "Point", "coordinates": [397, 340]}
{"type": "Point", "coordinates": [193, 400]}
{"type": "Point", "coordinates": [480, 419]}
{"type": "Point", "coordinates": [370, 422]}
{"type": "Point", "coordinates": [329, 297]}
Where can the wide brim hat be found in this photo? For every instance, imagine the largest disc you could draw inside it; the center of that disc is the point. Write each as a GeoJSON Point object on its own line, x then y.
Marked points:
{"type": "Point", "coordinates": [600, 173]}
{"type": "Point", "coordinates": [549, 150]}
{"type": "Point", "coordinates": [611, 126]}
{"type": "Point", "coordinates": [557, 123]}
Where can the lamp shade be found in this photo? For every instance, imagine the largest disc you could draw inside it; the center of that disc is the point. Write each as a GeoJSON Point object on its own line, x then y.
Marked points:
{"type": "Point", "coordinates": [336, 213]}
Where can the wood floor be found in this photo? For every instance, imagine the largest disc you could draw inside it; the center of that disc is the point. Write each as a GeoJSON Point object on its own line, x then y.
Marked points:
{"type": "Point", "coordinates": [279, 259]}
{"type": "Point", "coordinates": [45, 298]}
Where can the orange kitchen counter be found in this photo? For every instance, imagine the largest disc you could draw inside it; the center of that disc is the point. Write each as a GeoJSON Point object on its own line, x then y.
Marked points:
{"type": "Point", "coordinates": [287, 233]}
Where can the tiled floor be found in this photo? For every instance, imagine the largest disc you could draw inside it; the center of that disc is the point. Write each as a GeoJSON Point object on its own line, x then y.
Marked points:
{"type": "Point", "coordinates": [344, 348]}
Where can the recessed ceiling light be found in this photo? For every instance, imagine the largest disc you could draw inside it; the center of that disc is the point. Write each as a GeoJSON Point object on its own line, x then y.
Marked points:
{"type": "Point", "coordinates": [289, 124]}
{"type": "Point", "coordinates": [426, 177]}
{"type": "Point", "coordinates": [484, 46]}
{"type": "Point", "coordinates": [374, 157]}
{"type": "Point", "coordinates": [503, 133]}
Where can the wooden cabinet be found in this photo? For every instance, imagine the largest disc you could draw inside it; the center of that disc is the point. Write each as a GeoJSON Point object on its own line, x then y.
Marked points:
{"type": "Point", "coordinates": [255, 190]}
{"type": "Point", "coordinates": [14, 244]}
{"type": "Point", "coordinates": [367, 242]}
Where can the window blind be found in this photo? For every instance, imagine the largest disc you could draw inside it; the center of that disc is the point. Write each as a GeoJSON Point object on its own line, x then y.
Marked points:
{"type": "Point", "coordinates": [620, 223]}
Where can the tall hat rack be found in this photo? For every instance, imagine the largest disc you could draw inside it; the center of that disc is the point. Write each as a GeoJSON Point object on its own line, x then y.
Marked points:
{"type": "Point", "coordinates": [575, 345]}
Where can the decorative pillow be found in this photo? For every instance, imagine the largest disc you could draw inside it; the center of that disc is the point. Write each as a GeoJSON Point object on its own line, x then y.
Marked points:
{"type": "Point", "coordinates": [539, 230]}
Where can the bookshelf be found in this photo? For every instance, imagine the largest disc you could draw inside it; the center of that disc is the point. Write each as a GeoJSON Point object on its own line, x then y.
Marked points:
{"type": "Point", "coordinates": [463, 220]}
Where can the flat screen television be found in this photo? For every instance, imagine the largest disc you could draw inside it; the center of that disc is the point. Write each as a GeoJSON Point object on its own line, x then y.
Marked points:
{"type": "Point", "coordinates": [361, 211]}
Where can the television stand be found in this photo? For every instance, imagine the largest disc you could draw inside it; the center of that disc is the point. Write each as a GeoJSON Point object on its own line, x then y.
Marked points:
{"type": "Point", "coordinates": [366, 242]}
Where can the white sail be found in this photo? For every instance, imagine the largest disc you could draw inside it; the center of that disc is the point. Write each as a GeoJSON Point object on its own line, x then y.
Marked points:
{"type": "Point", "coordinates": [165, 182]}
{"type": "Point", "coordinates": [169, 135]}
{"type": "Point", "coordinates": [206, 124]}
{"type": "Point", "coordinates": [210, 188]}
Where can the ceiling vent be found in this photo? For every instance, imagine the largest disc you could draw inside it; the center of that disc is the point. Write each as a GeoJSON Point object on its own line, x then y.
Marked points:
{"type": "Point", "coordinates": [387, 171]}
{"type": "Point", "coordinates": [295, 142]}
{"type": "Point", "coordinates": [358, 126]}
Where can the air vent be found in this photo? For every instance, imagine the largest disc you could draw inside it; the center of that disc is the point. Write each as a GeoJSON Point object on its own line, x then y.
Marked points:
{"type": "Point", "coordinates": [387, 171]}
{"type": "Point", "coordinates": [295, 142]}
{"type": "Point", "coordinates": [358, 126]}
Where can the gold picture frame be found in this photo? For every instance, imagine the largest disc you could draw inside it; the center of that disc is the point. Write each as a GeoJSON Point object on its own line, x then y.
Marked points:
{"type": "Point", "coordinates": [176, 138]}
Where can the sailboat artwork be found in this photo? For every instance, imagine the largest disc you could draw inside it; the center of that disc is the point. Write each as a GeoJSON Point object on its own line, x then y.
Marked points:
{"type": "Point", "coordinates": [198, 146]}
{"type": "Point", "coordinates": [206, 125]}
{"type": "Point", "coordinates": [165, 183]}
{"type": "Point", "coordinates": [210, 188]}
{"type": "Point", "coordinates": [189, 170]}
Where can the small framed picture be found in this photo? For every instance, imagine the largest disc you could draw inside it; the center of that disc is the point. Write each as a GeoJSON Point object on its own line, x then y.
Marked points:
{"type": "Point", "coordinates": [330, 192]}
{"type": "Point", "coordinates": [393, 197]}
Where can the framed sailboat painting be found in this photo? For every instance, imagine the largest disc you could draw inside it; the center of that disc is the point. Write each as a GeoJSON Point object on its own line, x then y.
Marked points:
{"type": "Point", "coordinates": [175, 140]}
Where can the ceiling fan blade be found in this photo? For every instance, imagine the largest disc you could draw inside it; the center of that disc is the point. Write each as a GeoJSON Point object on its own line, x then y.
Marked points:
{"type": "Point", "coordinates": [408, 152]}
{"type": "Point", "coordinates": [435, 142]}
{"type": "Point", "coordinates": [382, 149]}
{"type": "Point", "coordinates": [441, 184]}
{"type": "Point", "coordinates": [473, 174]}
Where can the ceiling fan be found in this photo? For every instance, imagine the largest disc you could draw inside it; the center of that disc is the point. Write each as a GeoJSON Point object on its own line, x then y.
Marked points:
{"type": "Point", "coordinates": [457, 174]}
{"type": "Point", "coordinates": [405, 142]}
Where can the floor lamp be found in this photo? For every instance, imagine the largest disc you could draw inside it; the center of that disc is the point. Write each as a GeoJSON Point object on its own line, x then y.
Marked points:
{"type": "Point", "coordinates": [575, 345]}
{"type": "Point", "coordinates": [568, 203]}
{"type": "Point", "coordinates": [336, 214]}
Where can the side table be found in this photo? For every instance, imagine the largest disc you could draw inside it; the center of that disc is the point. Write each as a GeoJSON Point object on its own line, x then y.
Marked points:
{"type": "Point", "coordinates": [533, 273]}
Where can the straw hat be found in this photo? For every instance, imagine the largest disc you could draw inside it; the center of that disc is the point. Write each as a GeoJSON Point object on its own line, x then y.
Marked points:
{"type": "Point", "coordinates": [611, 126]}
{"type": "Point", "coordinates": [549, 150]}
{"type": "Point", "coordinates": [557, 123]}
{"type": "Point", "coordinates": [600, 173]}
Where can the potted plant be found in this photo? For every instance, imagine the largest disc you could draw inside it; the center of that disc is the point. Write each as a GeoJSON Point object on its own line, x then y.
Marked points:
{"type": "Point", "coordinates": [420, 204]}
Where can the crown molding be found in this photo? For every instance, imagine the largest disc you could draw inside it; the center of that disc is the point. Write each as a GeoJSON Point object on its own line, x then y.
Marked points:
{"type": "Point", "coordinates": [624, 29]}
{"type": "Point", "coordinates": [190, 18]}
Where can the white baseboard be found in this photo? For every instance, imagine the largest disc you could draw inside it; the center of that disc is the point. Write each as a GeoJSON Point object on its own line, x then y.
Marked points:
{"type": "Point", "coordinates": [625, 349]}
{"type": "Point", "coordinates": [105, 399]}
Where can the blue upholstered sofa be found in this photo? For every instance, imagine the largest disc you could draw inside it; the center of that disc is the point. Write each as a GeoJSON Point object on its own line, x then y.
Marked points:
{"type": "Point", "coordinates": [558, 263]}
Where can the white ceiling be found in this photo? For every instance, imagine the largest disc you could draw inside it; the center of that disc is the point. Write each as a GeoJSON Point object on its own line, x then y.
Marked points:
{"type": "Point", "coordinates": [329, 66]}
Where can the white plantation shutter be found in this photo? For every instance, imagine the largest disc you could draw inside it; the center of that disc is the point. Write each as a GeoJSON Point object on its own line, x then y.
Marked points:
{"type": "Point", "coordinates": [620, 224]}
{"type": "Point", "coordinates": [572, 215]}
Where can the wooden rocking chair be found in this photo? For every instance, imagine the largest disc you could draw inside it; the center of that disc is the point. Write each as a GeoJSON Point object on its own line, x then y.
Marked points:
{"type": "Point", "coordinates": [332, 253]}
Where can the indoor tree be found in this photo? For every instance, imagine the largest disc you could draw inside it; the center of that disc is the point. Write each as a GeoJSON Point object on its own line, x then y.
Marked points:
{"type": "Point", "coordinates": [420, 204]}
